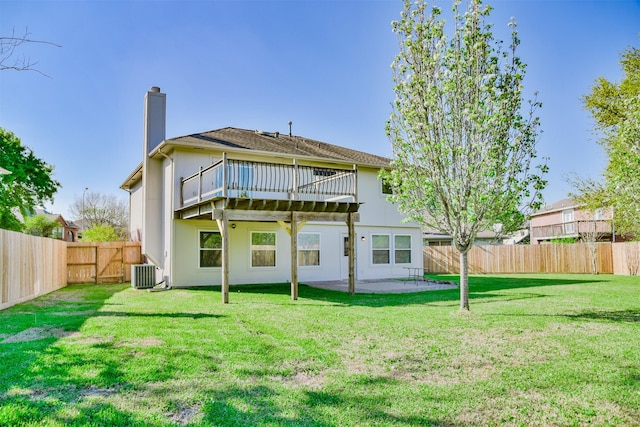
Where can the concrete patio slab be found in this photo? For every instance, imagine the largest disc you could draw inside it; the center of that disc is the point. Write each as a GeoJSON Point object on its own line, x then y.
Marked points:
{"type": "Point", "coordinates": [383, 286]}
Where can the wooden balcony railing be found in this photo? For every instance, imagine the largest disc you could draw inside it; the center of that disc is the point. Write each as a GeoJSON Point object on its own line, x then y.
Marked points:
{"type": "Point", "coordinates": [261, 180]}
{"type": "Point", "coordinates": [571, 229]}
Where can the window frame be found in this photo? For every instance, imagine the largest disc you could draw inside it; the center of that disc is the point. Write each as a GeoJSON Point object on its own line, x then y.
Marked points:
{"type": "Point", "coordinates": [275, 249]}
{"type": "Point", "coordinates": [395, 249]}
{"type": "Point", "coordinates": [374, 249]}
{"type": "Point", "coordinates": [200, 249]}
{"type": "Point", "coordinates": [384, 184]}
{"type": "Point", "coordinates": [319, 250]}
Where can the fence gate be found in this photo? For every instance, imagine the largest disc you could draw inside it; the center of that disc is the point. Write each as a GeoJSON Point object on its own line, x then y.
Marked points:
{"type": "Point", "coordinates": [102, 262]}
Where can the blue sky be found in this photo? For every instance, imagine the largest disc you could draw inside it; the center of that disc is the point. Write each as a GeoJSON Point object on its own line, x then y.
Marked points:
{"type": "Point", "coordinates": [325, 65]}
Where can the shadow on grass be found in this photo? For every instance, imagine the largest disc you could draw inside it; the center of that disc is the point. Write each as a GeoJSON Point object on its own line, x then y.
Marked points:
{"type": "Point", "coordinates": [184, 315]}
{"type": "Point", "coordinates": [313, 407]}
{"type": "Point", "coordinates": [623, 316]}
{"type": "Point", "coordinates": [39, 380]}
{"type": "Point", "coordinates": [482, 289]}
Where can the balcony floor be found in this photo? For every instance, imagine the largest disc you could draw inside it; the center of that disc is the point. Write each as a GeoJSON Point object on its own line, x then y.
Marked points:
{"type": "Point", "coordinates": [206, 209]}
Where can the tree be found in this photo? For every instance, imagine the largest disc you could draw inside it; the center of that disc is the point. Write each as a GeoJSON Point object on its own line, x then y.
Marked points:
{"type": "Point", "coordinates": [40, 225]}
{"type": "Point", "coordinates": [100, 233]}
{"type": "Point", "coordinates": [11, 59]}
{"type": "Point", "coordinates": [28, 184]}
{"type": "Point", "coordinates": [615, 107]}
{"type": "Point", "coordinates": [462, 148]}
{"type": "Point", "coordinates": [101, 209]}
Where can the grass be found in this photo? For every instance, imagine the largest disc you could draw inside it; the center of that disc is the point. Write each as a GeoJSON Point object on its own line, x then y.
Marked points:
{"type": "Point", "coordinates": [535, 350]}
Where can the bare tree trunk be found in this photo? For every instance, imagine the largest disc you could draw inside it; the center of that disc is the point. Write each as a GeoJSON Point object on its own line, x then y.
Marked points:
{"type": "Point", "coordinates": [464, 281]}
{"type": "Point", "coordinates": [594, 258]}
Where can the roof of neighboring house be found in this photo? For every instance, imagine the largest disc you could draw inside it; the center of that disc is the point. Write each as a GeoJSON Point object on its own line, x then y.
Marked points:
{"type": "Point", "coordinates": [54, 217]}
{"type": "Point", "coordinates": [560, 205]}
{"type": "Point", "coordinates": [231, 139]}
{"type": "Point", "coordinates": [436, 235]}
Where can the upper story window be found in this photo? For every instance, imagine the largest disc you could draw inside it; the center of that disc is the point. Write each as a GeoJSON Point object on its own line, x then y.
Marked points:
{"type": "Point", "coordinates": [567, 219]}
{"type": "Point", "coordinates": [598, 214]}
{"type": "Point", "coordinates": [386, 186]}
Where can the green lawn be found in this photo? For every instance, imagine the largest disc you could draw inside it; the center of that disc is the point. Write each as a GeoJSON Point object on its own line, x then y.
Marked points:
{"type": "Point", "coordinates": [535, 350]}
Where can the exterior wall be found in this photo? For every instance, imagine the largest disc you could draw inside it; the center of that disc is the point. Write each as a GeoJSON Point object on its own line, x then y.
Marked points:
{"type": "Point", "coordinates": [547, 219]}
{"type": "Point", "coordinates": [375, 209]}
{"type": "Point", "coordinates": [377, 216]}
{"type": "Point", "coordinates": [135, 212]}
{"type": "Point", "coordinates": [333, 263]}
{"type": "Point", "coordinates": [167, 218]}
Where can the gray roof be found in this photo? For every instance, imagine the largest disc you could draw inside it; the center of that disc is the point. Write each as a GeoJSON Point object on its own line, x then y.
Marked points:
{"type": "Point", "coordinates": [277, 144]}
{"type": "Point", "coordinates": [567, 203]}
{"type": "Point", "coordinates": [234, 139]}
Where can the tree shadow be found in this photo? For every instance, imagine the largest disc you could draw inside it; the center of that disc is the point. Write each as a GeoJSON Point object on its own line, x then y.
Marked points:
{"type": "Point", "coordinates": [44, 381]}
{"type": "Point", "coordinates": [313, 407]}
{"type": "Point", "coordinates": [618, 316]}
{"type": "Point", "coordinates": [482, 289]}
{"type": "Point", "coordinates": [174, 315]}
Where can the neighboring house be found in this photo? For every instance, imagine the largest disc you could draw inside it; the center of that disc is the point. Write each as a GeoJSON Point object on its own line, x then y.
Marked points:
{"type": "Point", "coordinates": [235, 206]}
{"type": "Point", "coordinates": [566, 219]}
{"type": "Point", "coordinates": [68, 231]}
{"type": "Point", "coordinates": [485, 237]}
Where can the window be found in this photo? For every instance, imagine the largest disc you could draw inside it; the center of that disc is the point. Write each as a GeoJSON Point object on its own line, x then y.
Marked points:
{"type": "Point", "coordinates": [308, 249]}
{"type": "Point", "coordinates": [402, 248]}
{"type": "Point", "coordinates": [210, 249]}
{"type": "Point", "coordinates": [386, 187]}
{"type": "Point", "coordinates": [380, 248]}
{"type": "Point", "coordinates": [567, 219]}
{"type": "Point", "coordinates": [598, 214]}
{"type": "Point", "coordinates": [345, 246]}
{"type": "Point", "coordinates": [263, 249]}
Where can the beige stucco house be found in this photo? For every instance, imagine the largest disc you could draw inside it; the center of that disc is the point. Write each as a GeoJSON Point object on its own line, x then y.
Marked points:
{"type": "Point", "coordinates": [236, 206]}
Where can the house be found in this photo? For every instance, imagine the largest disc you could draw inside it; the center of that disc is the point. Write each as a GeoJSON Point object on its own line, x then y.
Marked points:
{"type": "Point", "coordinates": [566, 219]}
{"type": "Point", "coordinates": [67, 231]}
{"type": "Point", "coordinates": [236, 206]}
{"type": "Point", "coordinates": [484, 237]}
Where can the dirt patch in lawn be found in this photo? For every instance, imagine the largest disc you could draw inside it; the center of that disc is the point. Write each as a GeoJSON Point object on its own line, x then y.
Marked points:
{"type": "Point", "coordinates": [183, 415]}
{"type": "Point", "coordinates": [34, 334]}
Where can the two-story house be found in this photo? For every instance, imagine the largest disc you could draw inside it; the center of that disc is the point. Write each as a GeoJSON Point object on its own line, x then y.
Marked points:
{"type": "Point", "coordinates": [235, 206]}
{"type": "Point", "coordinates": [566, 219]}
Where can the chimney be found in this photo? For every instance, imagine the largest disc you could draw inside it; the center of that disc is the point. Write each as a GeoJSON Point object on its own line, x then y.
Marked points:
{"type": "Point", "coordinates": [155, 115]}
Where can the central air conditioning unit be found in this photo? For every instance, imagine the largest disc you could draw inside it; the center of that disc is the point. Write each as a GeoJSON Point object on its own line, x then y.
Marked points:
{"type": "Point", "coordinates": [143, 276]}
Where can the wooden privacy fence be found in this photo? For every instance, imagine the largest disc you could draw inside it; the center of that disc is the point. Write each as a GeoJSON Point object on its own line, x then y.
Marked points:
{"type": "Point", "coordinates": [104, 262]}
{"type": "Point", "coordinates": [30, 266]}
{"type": "Point", "coordinates": [616, 258]}
{"type": "Point", "coordinates": [626, 258]}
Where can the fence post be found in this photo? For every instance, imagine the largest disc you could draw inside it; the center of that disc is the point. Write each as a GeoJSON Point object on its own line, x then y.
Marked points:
{"type": "Point", "coordinates": [97, 263]}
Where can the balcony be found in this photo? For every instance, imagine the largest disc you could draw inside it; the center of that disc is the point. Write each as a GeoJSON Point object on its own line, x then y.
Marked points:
{"type": "Point", "coordinates": [261, 186]}
{"type": "Point", "coordinates": [571, 229]}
